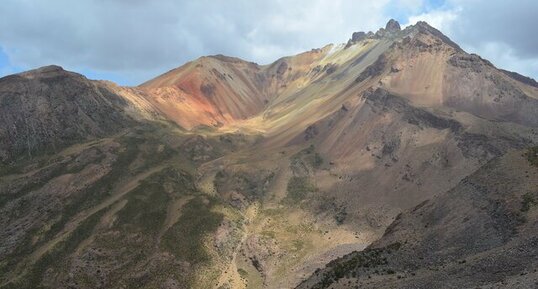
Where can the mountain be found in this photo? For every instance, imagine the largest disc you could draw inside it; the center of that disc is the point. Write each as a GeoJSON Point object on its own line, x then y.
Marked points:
{"type": "Point", "coordinates": [224, 173]}
{"type": "Point", "coordinates": [48, 108]}
{"type": "Point", "coordinates": [209, 91]}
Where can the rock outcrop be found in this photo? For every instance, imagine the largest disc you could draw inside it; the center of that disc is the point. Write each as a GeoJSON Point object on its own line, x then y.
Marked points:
{"type": "Point", "coordinates": [392, 26]}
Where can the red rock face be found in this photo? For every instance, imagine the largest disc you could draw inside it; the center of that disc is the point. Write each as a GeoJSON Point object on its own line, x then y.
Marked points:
{"type": "Point", "coordinates": [209, 91]}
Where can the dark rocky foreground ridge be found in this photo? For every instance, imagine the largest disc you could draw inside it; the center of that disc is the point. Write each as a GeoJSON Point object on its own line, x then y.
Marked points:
{"type": "Point", "coordinates": [480, 234]}
{"type": "Point", "coordinates": [227, 174]}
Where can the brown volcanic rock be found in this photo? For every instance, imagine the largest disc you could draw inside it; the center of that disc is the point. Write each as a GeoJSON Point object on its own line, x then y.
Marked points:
{"type": "Point", "coordinates": [48, 108]}
{"type": "Point", "coordinates": [525, 79]}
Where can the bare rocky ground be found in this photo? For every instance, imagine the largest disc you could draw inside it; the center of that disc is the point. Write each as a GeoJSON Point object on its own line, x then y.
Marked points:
{"type": "Point", "coordinates": [480, 234]}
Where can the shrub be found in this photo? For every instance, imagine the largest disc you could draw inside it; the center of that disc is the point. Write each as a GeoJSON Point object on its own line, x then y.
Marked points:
{"type": "Point", "coordinates": [527, 202]}
{"type": "Point", "coordinates": [532, 155]}
{"type": "Point", "coordinates": [298, 188]}
{"type": "Point", "coordinates": [185, 239]}
{"type": "Point", "coordinates": [243, 273]}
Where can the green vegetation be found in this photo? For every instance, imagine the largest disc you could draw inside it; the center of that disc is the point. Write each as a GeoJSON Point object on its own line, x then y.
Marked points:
{"type": "Point", "coordinates": [77, 167]}
{"type": "Point", "coordinates": [22, 204]}
{"type": "Point", "coordinates": [367, 259]}
{"type": "Point", "coordinates": [59, 252]}
{"type": "Point", "coordinates": [147, 205]}
{"type": "Point", "coordinates": [318, 161]}
{"type": "Point", "coordinates": [185, 239]}
{"type": "Point", "coordinates": [155, 153]}
{"type": "Point", "coordinates": [144, 215]}
{"type": "Point", "coordinates": [527, 202]}
{"type": "Point", "coordinates": [242, 273]}
{"type": "Point", "coordinates": [50, 168]}
{"type": "Point", "coordinates": [50, 173]}
{"type": "Point", "coordinates": [139, 221]}
{"type": "Point", "coordinates": [266, 234]}
{"type": "Point", "coordinates": [532, 155]}
{"type": "Point", "coordinates": [298, 188]}
{"type": "Point", "coordinates": [340, 215]}
{"type": "Point", "coordinates": [145, 210]}
{"type": "Point", "coordinates": [297, 245]}
{"type": "Point", "coordinates": [88, 198]}
{"type": "Point", "coordinates": [102, 188]}
{"type": "Point", "coordinates": [251, 185]}
{"type": "Point", "coordinates": [306, 157]}
{"type": "Point", "coordinates": [7, 169]}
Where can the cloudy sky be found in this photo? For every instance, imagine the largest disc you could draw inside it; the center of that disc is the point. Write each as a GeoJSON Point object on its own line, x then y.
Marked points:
{"type": "Point", "coordinates": [130, 41]}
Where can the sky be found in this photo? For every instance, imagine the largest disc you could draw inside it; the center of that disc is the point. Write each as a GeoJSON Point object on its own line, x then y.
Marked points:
{"type": "Point", "coordinates": [131, 41]}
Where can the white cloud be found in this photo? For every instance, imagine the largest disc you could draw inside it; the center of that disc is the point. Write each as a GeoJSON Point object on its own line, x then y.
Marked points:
{"type": "Point", "coordinates": [413, 6]}
{"type": "Point", "coordinates": [443, 20]}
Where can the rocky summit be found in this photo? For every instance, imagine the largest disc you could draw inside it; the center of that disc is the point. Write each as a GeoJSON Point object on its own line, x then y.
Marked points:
{"type": "Point", "coordinates": [393, 26]}
{"type": "Point", "coordinates": [395, 160]}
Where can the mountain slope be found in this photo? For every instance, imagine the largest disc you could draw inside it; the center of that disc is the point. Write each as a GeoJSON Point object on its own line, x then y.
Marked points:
{"type": "Point", "coordinates": [46, 109]}
{"type": "Point", "coordinates": [224, 173]}
{"type": "Point", "coordinates": [209, 91]}
{"type": "Point", "coordinates": [481, 233]}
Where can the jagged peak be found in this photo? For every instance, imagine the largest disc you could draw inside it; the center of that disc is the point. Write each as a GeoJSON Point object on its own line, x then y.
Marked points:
{"type": "Point", "coordinates": [392, 26]}
{"type": "Point", "coordinates": [424, 27]}
{"type": "Point", "coordinates": [423, 24]}
{"type": "Point", "coordinates": [393, 29]}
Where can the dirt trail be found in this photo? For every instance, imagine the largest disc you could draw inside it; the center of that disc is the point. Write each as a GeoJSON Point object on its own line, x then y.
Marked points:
{"type": "Point", "coordinates": [230, 275]}
{"type": "Point", "coordinates": [79, 218]}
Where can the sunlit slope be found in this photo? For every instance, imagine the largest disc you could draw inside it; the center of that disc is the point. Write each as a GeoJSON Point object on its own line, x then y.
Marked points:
{"type": "Point", "coordinates": [222, 91]}
{"type": "Point", "coordinates": [418, 64]}
{"type": "Point", "coordinates": [209, 91]}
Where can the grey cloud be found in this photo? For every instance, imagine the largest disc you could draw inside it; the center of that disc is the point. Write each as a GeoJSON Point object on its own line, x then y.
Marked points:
{"type": "Point", "coordinates": [137, 39]}
{"type": "Point", "coordinates": [513, 23]}
{"type": "Point", "coordinates": [500, 31]}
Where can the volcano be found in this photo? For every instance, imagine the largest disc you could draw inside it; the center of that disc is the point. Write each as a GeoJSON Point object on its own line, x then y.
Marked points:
{"type": "Point", "coordinates": [393, 160]}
